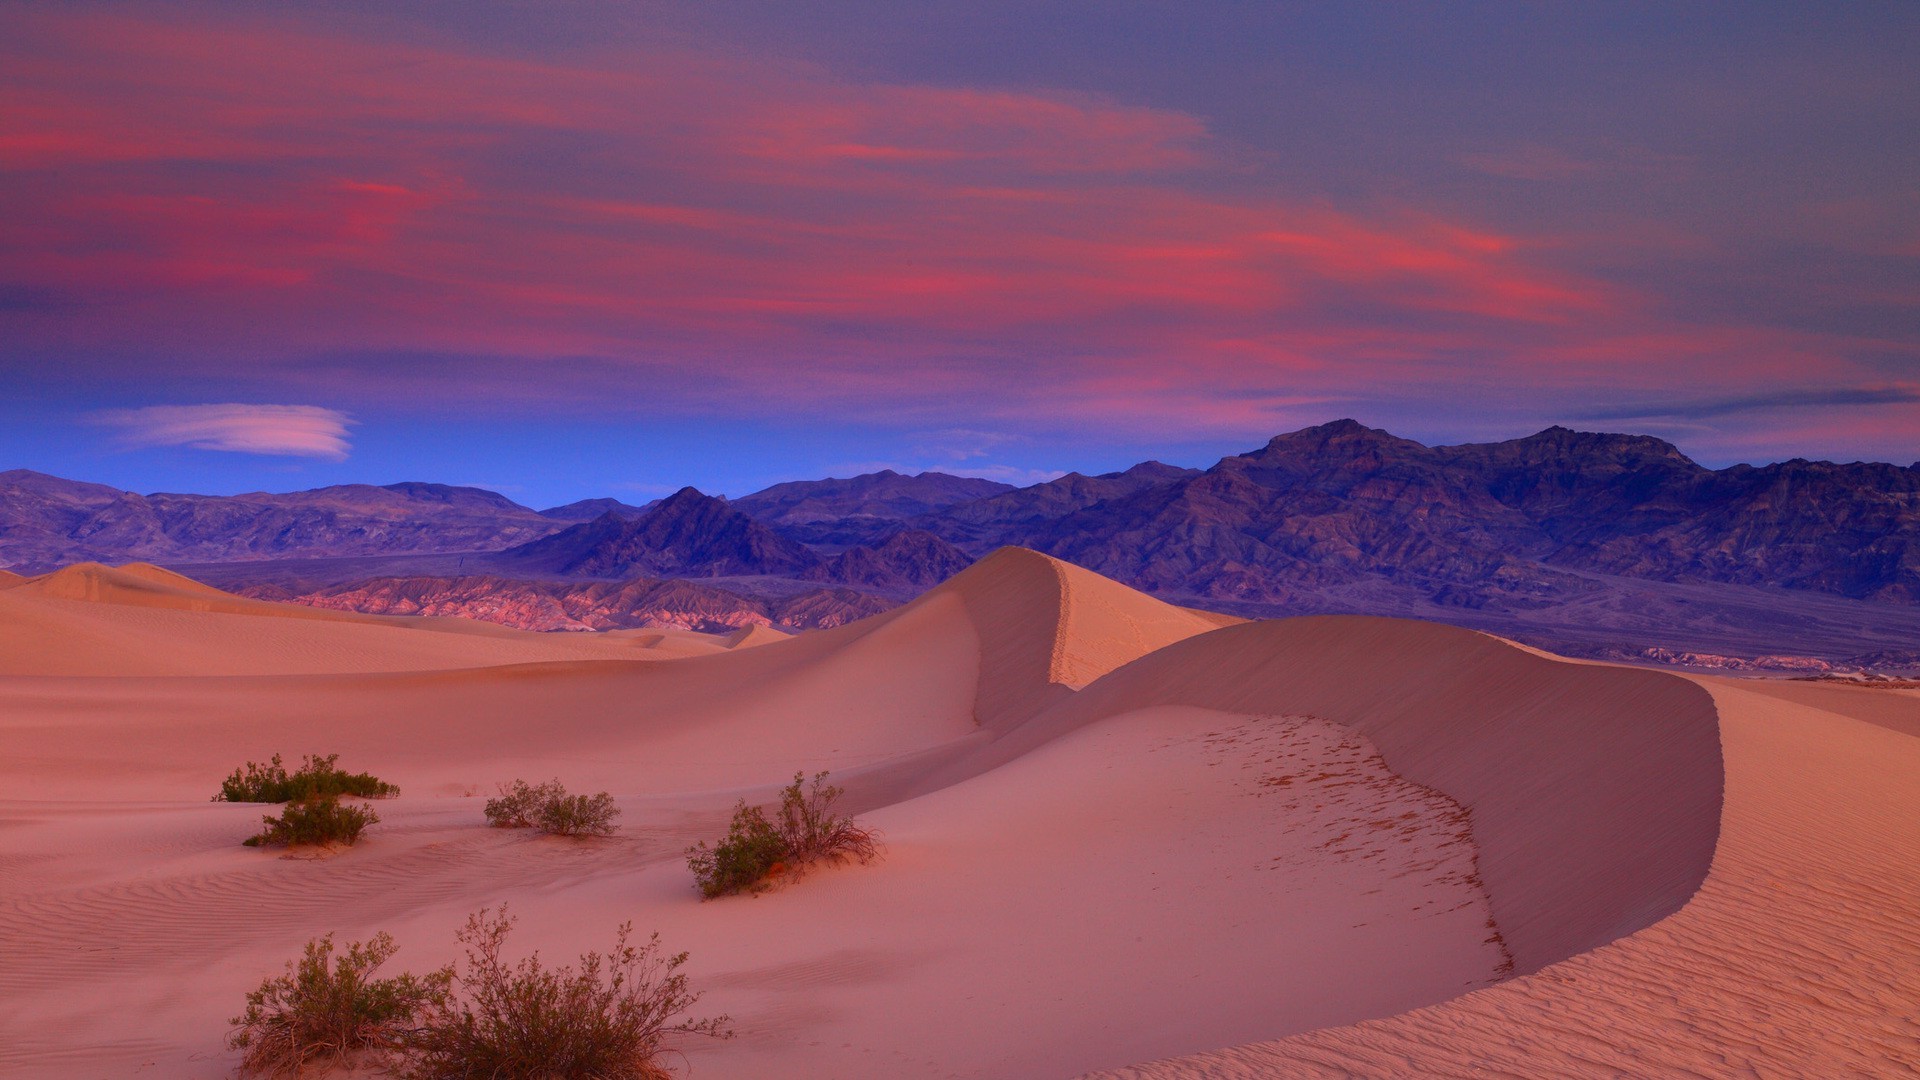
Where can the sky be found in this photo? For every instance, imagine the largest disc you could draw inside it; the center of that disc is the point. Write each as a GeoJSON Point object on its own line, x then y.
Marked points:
{"type": "Point", "coordinates": [566, 250]}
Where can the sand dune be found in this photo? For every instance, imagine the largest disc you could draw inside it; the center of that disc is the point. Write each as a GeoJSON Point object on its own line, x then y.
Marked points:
{"type": "Point", "coordinates": [139, 620]}
{"type": "Point", "coordinates": [873, 694]}
{"type": "Point", "coordinates": [1116, 831]}
{"type": "Point", "coordinates": [1055, 628]}
{"type": "Point", "coordinates": [754, 634]}
{"type": "Point", "coordinates": [1595, 791]}
{"type": "Point", "coordinates": [134, 583]}
{"type": "Point", "coordinates": [1796, 958]}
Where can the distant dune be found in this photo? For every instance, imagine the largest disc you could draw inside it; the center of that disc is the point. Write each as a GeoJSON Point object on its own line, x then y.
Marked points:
{"type": "Point", "coordinates": [748, 636]}
{"type": "Point", "coordinates": [1116, 831]}
{"type": "Point", "coordinates": [94, 620]}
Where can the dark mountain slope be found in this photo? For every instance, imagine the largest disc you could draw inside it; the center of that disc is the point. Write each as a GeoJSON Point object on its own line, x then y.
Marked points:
{"type": "Point", "coordinates": [907, 562]}
{"type": "Point", "coordinates": [863, 509]}
{"type": "Point", "coordinates": [1341, 505]}
{"type": "Point", "coordinates": [688, 534]}
{"type": "Point", "coordinates": [588, 509]}
{"type": "Point", "coordinates": [45, 522]}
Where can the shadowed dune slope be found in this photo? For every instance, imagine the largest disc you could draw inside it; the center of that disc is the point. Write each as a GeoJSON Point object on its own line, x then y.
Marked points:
{"type": "Point", "coordinates": [1795, 958]}
{"type": "Point", "coordinates": [1595, 792]}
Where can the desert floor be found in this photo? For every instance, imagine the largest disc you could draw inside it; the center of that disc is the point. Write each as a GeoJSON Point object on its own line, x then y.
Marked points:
{"type": "Point", "coordinates": [1117, 832]}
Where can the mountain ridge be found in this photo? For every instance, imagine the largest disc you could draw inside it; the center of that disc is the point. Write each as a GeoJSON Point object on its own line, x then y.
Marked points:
{"type": "Point", "coordinates": [1554, 533]}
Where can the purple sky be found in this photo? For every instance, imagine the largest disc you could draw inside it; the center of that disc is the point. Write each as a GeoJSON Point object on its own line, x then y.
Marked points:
{"type": "Point", "coordinates": [566, 249]}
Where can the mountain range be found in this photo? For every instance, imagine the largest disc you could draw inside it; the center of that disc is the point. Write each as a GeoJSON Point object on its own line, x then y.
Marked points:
{"type": "Point", "coordinates": [1338, 517]}
{"type": "Point", "coordinates": [46, 522]}
{"type": "Point", "coordinates": [1508, 523]}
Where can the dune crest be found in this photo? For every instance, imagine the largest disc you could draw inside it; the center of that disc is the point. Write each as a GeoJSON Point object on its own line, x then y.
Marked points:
{"type": "Point", "coordinates": [754, 634]}
{"type": "Point", "coordinates": [1055, 628]}
{"type": "Point", "coordinates": [1595, 791]}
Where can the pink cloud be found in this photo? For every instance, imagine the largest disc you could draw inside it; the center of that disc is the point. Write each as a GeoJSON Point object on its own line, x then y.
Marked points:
{"type": "Point", "coordinates": [256, 191]}
{"type": "Point", "coordinates": [280, 430]}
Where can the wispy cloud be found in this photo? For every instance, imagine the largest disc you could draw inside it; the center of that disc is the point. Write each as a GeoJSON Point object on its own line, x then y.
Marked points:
{"type": "Point", "coordinates": [1702, 408]}
{"type": "Point", "coordinates": [1009, 474]}
{"type": "Point", "coordinates": [962, 444]}
{"type": "Point", "coordinates": [280, 430]}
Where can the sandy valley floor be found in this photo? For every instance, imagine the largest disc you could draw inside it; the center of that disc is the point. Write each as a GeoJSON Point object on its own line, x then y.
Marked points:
{"type": "Point", "coordinates": [1116, 832]}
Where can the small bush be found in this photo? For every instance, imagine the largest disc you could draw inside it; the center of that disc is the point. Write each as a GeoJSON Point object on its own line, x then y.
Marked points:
{"type": "Point", "coordinates": [317, 778]}
{"type": "Point", "coordinates": [811, 831]}
{"type": "Point", "coordinates": [579, 815]}
{"type": "Point", "coordinates": [518, 806]}
{"type": "Point", "coordinates": [314, 821]}
{"type": "Point", "coordinates": [609, 1018]}
{"type": "Point", "coordinates": [325, 1008]}
{"type": "Point", "coordinates": [803, 830]}
{"type": "Point", "coordinates": [550, 809]}
{"type": "Point", "coordinates": [743, 860]}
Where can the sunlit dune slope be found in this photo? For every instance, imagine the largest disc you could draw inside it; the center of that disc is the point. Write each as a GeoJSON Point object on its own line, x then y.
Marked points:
{"type": "Point", "coordinates": [1795, 958]}
{"type": "Point", "coordinates": [1595, 791]}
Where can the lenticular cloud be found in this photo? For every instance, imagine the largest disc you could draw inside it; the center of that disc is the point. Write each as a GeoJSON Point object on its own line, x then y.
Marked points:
{"type": "Point", "coordinates": [285, 430]}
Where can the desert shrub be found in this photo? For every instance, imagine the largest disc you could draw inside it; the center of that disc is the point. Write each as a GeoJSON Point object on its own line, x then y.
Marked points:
{"type": "Point", "coordinates": [314, 821]}
{"type": "Point", "coordinates": [518, 806]}
{"type": "Point", "coordinates": [811, 830]}
{"type": "Point", "coordinates": [609, 1018]}
{"type": "Point", "coordinates": [550, 809]}
{"type": "Point", "coordinates": [326, 1007]}
{"type": "Point", "coordinates": [803, 830]}
{"type": "Point", "coordinates": [743, 860]}
{"type": "Point", "coordinates": [317, 778]}
{"type": "Point", "coordinates": [579, 815]}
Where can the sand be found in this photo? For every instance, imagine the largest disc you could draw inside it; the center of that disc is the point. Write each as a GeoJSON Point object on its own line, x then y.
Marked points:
{"type": "Point", "coordinates": [1800, 955]}
{"type": "Point", "coordinates": [93, 620]}
{"type": "Point", "coordinates": [754, 634]}
{"type": "Point", "coordinates": [1116, 831]}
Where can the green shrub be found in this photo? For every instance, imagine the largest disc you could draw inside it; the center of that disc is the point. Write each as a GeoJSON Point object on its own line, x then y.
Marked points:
{"type": "Point", "coordinates": [811, 830]}
{"type": "Point", "coordinates": [803, 830]}
{"type": "Point", "coordinates": [743, 860]}
{"type": "Point", "coordinates": [518, 806]}
{"type": "Point", "coordinates": [317, 778]}
{"type": "Point", "coordinates": [325, 1008]}
{"type": "Point", "coordinates": [609, 1018]}
{"type": "Point", "coordinates": [579, 815]}
{"type": "Point", "coordinates": [314, 821]}
{"type": "Point", "coordinates": [550, 809]}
